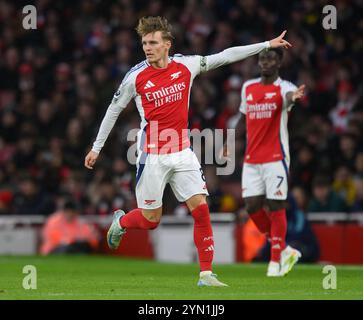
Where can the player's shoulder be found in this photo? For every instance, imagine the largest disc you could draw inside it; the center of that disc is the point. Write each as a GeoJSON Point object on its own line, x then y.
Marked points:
{"type": "Point", "coordinates": [194, 63]}
{"type": "Point", "coordinates": [249, 82]}
{"type": "Point", "coordinates": [285, 83]}
{"type": "Point", "coordinates": [178, 57]}
{"type": "Point", "coordinates": [135, 70]}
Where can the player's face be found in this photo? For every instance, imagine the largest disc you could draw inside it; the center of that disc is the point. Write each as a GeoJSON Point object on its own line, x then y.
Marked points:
{"type": "Point", "coordinates": [269, 63]}
{"type": "Point", "coordinates": [155, 47]}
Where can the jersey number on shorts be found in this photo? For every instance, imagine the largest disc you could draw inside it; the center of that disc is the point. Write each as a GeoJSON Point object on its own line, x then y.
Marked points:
{"type": "Point", "coordinates": [281, 179]}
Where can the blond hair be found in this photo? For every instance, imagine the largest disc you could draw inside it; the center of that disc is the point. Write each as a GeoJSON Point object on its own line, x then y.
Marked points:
{"type": "Point", "coordinates": [148, 25]}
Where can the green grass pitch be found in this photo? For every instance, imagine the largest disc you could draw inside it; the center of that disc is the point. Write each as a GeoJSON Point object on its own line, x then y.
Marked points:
{"type": "Point", "coordinates": [107, 277]}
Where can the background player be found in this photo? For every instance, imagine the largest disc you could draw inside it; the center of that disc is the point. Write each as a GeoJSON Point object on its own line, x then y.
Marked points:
{"type": "Point", "coordinates": [160, 86]}
{"type": "Point", "coordinates": [265, 104]}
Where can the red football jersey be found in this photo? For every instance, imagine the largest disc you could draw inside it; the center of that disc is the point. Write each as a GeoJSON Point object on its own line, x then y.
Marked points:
{"type": "Point", "coordinates": [266, 110]}
{"type": "Point", "coordinates": [162, 99]}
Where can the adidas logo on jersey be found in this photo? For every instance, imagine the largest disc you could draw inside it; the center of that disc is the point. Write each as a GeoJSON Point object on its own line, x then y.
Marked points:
{"type": "Point", "coordinates": [149, 84]}
{"type": "Point", "coordinates": [278, 193]}
{"type": "Point", "coordinates": [269, 95]}
{"type": "Point", "coordinates": [175, 75]}
{"type": "Point", "coordinates": [210, 248]}
{"type": "Point", "coordinates": [249, 97]}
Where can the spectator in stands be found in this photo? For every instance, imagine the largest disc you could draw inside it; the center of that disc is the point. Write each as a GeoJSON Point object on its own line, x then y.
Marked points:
{"type": "Point", "coordinates": [31, 199]}
{"type": "Point", "coordinates": [359, 163]}
{"type": "Point", "coordinates": [9, 126]}
{"type": "Point", "coordinates": [341, 113]}
{"type": "Point", "coordinates": [301, 198]}
{"type": "Point", "coordinates": [57, 82]}
{"type": "Point", "coordinates": [347, 150]}
{"type": "Point", "coordinates": [64, 232]}
{"type": "Point", "coordinates": [110, 198]}
{"type": "Point", "coordinates": [5, 201]}
{"type": "Point", "coordinates": [343, 184]}
{"type": "Point", "coordinates": [324, 199]}
{"type": "Point", "coordinates": [303, 167]}
{"type": "Point", "coordinates": [229, 110]}
{"type": "Point", "coordinates": [357, 206]}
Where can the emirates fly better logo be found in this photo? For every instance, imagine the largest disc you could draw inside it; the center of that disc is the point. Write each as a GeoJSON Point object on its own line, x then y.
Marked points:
{"type": "Point", "coordinates": [166, 95]}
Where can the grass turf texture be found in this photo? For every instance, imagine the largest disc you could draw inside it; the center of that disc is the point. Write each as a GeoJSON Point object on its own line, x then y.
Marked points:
{"type": "Point", "coordinates": [106, 277]}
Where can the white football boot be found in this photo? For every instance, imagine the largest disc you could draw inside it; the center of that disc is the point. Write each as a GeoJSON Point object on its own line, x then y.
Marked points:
{"type": "Point", "coordinates": [115, 232]}
{"type": "Point", "coordinates": [209, 279]}
{"type": "Point", "coordinates": [273, 269]}
{"type": "Point", "coordinates": [289, 257]}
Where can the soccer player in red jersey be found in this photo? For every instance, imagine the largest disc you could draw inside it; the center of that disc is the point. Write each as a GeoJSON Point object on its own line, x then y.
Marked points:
{"type": "Point", "coordinates": [265, 104]}
{"type": "Point", "coordinates": [160, 86]}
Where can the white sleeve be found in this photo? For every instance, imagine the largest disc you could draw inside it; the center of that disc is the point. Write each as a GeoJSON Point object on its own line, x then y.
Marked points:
{"type": "Point", "coordinates": [121, 98]}
{"type": "Point", "coordinates": [242, 107]}
{"type": "Point", "coordinates": [231, 55]}
{"type": "Point", "coordinates": [286, 87]}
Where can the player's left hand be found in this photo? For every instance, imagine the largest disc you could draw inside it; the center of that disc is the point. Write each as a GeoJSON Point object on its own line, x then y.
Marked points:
{"type": "Point", "coordinates": [224, 153]}
{"type": "Point", "coordinates": [299, 93]}
{"type": "Point", "coordinates": [280, 42]}
{"type": "Point", "coordinates": [90, 159]}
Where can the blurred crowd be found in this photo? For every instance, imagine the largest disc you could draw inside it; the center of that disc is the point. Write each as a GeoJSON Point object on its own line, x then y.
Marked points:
{"type": "Point", "coordinates": [57, 81]}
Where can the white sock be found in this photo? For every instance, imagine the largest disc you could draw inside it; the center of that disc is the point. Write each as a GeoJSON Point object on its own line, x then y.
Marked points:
{"type": "Point", "coordinates": [205, 273]}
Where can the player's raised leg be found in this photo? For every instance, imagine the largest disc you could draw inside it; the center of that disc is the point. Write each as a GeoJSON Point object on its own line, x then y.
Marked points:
{"type": "Point", "coordinates": [151, 180]}
{"type": "Point", "coordinates": [115, 232]}
{"type": "Point", "coordinates": [135, 219]}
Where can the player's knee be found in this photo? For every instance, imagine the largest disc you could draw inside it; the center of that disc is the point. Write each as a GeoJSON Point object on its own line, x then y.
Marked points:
{"type": "Point", "coordinates": [196, 201]}
{"type": "Point", "coordinates": [275, 205]}
{"type": "Point", "coordinates": [153, 216]}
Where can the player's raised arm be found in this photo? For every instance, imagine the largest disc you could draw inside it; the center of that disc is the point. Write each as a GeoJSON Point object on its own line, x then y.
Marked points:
{"type": "Point", "coordinates": [121, 98]}
{"type": "Point", "coordinates": [235, 54]}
